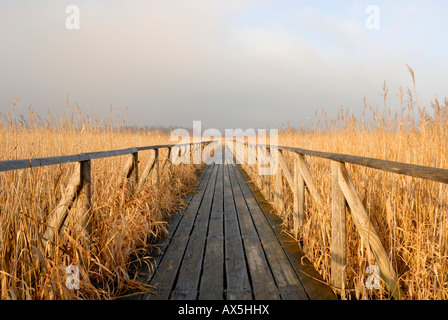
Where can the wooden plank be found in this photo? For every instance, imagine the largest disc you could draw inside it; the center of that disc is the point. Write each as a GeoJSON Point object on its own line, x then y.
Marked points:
{"type": "Point", "coordinates": [237, 277]}
{"type": "Point", "coordinates": [367, 232]}
{"type": "Point", "coordinates": [166, 273]}
{"type": "Point", "coordinates": [189, 275]}
{"type": "Point", "coordinates": [147, 271]}
{"type": "Point", "coordinates": [263, 284]}
{"type": "Point", "coordinates": [212, 280]}
{"type": "Point", "coordinates": [338, 245]}
{"type": "Point", "coordinates": [288, 283]}
{"type": "Point", "coordinates": [309, 277]}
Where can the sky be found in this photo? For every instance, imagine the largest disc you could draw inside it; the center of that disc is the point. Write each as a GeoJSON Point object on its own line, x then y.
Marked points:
{"type": "Point", "coordinates": [227, 63]}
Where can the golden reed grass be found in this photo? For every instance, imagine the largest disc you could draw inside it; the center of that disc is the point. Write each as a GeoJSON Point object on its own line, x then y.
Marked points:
{"type": "Point", "coordinates": [123, 225]}
{"type": "Point", "coordinates": [410, 215]}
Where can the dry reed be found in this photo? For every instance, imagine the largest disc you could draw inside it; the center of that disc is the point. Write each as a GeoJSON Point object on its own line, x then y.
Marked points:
{"type": "Point", "coordinates": [410, 215]}
{"type": "Point", "coordinates": [124, 225]}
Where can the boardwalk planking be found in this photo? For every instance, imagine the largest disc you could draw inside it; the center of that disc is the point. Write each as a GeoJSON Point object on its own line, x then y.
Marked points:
{"type": "Point", "coordinates": [224, 246]}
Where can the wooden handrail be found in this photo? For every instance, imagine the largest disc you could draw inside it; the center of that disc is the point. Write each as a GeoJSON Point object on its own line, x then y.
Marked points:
{"type": "Point", "coordinates": [412, 170]}
{"type": "Point", "coordinates": [79, 186]}
{"type": "Point", "coordinates": [344, 195]}
{"type": "Point", "coordinates": [10, 165]}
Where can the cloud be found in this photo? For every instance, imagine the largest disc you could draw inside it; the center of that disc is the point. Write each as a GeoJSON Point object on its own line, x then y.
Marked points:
{"type": "Point", "coordinates": [175, 62]}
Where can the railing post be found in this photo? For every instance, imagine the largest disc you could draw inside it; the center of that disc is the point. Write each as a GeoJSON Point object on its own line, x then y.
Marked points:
{"type": "Point", "coordinates": [155, 171]}
{"type": "Point", "coordinates": [85, 198]}
{"type": "Point", "coordinates": [278, 189]}
{"type": "Point", "coordinates": [338, 246]}
{"type": "Point", "coordinates": [134, 173]}
{"type": "Point", "coordinates": [368, 233]}
{"type": "Point", "coordinates": [168, 160]}
{"type": "Point", "coordinates": [299, 199]}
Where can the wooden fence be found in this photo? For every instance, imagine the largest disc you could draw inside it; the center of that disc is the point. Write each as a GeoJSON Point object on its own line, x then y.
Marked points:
{"type": "Point", "coordinates": [79, 187]}
{"type": "Point", "coordinates": [343, 196]}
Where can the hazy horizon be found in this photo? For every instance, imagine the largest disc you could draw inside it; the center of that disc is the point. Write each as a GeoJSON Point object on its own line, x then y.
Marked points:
{"type": "Point", "coordinates": [229, 64]}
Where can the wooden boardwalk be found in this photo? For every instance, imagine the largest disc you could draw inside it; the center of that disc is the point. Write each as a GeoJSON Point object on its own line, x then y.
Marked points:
{"type": "Point", "coordinates": [228, 245]}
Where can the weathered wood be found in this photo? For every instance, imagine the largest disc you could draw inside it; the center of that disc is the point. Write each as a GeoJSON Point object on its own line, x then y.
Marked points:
{"type": "Point", "coordinates": [166, 160]}
{"type": "Point", "coordinates": [285, 170]}
{"type": "Point", "coordinates": [417, 171]}
{"type": "Point", "coordinates": [129, 173]}
{"type": "Point", "coordinates": [367, 232]}
{"type": "Point", "coordinates": [212, 279]}
{"type": "Point", "coordinates": [85, 198]}
{"type": "Point", "coordinates": [155, 171]}
{"type": "Point", "coordinates": [263, 284]}
{"type": "Point", "coordinates": [338, 246]}
{"type": "Point", "coordinates": [190, 271]}
{"type": "Point", "coordinates": [236, 256]}
{"type": "Point", "coordinates": [238, 285]}
{"type": "Point", "coordinates": [147, 171]}
{"type": "Point", "coordinates": [60, 214]}
{"type": "Point", "coordinates": [10, 165]}
{"type": "Point", "coordinates": [278, 191]}
{"type": "Point", "coordinates": [285, 277]}
{"type": "Point", "coordinates": [167, 270]}
{"type": "Point", "coordinates": [267, 180]}
{"type": "Point", "coordinates": [306, 174]}
{"type": "Point", "coordinates": [299, 200]}
{"type": "Point", "coordinates": [147, 270]}
{"type": "Point", "coordinates": [127, 168]}
{"type": "Point", "coordinates": [312, 281]}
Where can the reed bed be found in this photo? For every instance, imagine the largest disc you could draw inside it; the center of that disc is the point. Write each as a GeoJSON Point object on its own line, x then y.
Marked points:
{"type": "Point", "coordinates": [124, 225]}
{"type": "Point", "coordinates": [410, 215]}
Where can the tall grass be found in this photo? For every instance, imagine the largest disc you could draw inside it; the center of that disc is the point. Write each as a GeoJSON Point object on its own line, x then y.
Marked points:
{"type": "Point", "coordinates": [123, 225]}
{"type": "Point", "coordinates": [409, 214]}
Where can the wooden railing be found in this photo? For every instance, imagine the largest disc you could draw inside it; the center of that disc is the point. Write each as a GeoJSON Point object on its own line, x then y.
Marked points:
{"type": "Point", "coordinates": [79, 186]}
{"type": "Point", "coordinates": [343, 196]}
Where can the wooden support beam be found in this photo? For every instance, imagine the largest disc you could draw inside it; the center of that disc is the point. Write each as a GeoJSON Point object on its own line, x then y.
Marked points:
{"type": "Point", "coordinates": [338, 245]}
{"type": "Point", "coordinates": [278, 191]}
{"type": "Point", "coordinates": [285, 170]}
{"type": "Point", "coordinates": [368, 233]}
{"type": "Point", "coordinates": [155, 171]}
{"type": "Point", "coordinates": [59, 216]}
{"type": "Point", "coordinates": [166, 160]}
{"type": "Point", "coordinates": [129, 173]}
{"type": "Point", "coordinates": [134, 173]}
{"type": "Point", "coordinates": [148, 169]}
{"type": "Point", "coordinates": [306, 174]}
{"type": "Point", "coordinates": [84, 216]}
{"type": "Point", "coordinates": [299, 199]}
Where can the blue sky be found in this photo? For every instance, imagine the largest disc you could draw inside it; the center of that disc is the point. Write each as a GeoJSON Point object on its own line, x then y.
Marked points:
{"type": "Point", "coordinates": [229, 64]}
